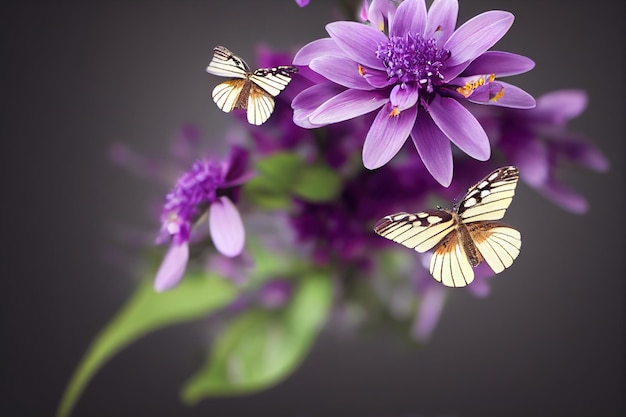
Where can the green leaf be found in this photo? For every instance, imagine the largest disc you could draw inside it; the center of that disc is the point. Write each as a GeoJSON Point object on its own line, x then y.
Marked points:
{"type": "Point", "coordinates": [265, 193]}
{"type": "Point", "coordinates": [259, 348]}
{"type": "Point", "coordinates": [280, 169]}
{"type": "Point", "coordinates": [196, 296]}
{"type": "Point", "coordinates": [317, 183]}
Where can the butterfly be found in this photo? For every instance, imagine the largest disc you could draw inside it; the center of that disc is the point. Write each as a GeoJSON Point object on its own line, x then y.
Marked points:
{"type": "Point", "coordinates": [465, 236]}
{"type": "Point", "coordinates": [251, 91]}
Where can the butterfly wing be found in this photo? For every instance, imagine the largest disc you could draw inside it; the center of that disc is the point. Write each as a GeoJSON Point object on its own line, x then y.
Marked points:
{"type": "Point", "coordinates": [231, 94]}
{"type": "Point", "coordinates": [226, 64]}
{"type": "Point", "coordinates": [273, 80]}
{"type": "Point", "coordinates": [498, 243]}
{"type": "Point", "coordinates": [420, 231]}
{"type": "Point", "coordinates": [485, 203]}
{"type": "Point", "coordinates": [260, 105]}
{"type": "Point", "coordinates": [449, 263]}
{"type": "Point", "coordinates": [489, 199]}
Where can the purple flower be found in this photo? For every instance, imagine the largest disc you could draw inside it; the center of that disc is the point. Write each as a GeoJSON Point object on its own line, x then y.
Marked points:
{"type": "Point", "coordinates": [416, 77]}
{"type": "Point", "coordinates": [209, 187]}
{"type": "Point", "coordinates": [341, 230]}
{"type": "Point", "coordinates": [537, 140]}
{"type": "Point", "coordinates": [302, 3]}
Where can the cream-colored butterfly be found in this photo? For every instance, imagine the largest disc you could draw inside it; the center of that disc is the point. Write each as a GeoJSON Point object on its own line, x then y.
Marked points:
{"type": "Point", "coordinates": [251, 91]}
{"type": "Point", "coordinates": [465, 236]}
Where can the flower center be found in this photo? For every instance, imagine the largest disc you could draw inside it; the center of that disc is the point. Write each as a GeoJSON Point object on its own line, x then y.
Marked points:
{"type": "Point", "coordinates": [411, 58]}
{"type": "Point", "coordinates": [195, 189]}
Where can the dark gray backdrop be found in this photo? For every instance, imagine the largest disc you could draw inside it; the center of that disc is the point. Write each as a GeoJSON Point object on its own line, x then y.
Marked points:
{"type": "Point", "coordinates": [77, 77]}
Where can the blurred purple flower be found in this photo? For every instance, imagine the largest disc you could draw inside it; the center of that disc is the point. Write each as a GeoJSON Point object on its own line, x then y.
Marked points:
{"type": "Point", "coordinates": [422, 63]}
{"type": "Point", "coordinates": [302, 3]}
{"type": "Point", "coordinates": [341, 230]}
{"type": "Point", "coordinates": [537, 140]}
{"type": "Point", "coordinates": [209, 187]}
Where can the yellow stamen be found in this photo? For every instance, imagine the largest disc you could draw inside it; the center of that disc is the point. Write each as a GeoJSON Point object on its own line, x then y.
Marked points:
{"type": "Point", "coordinates": [361, 70]}
{"type": "Point", "coordinates": [498, 95]}
{"type": "Point", "coordinates": [394, 112]}
{"type": "Point", "coordinates": [470, 86]}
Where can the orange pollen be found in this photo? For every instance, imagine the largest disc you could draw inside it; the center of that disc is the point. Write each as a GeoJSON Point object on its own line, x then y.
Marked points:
{"type": "Point", "coordinates": [361, 70]}
{"type": "Point", "coordinates": [470, 86]}
{"type": "Point", "coordinates": [394, 112]}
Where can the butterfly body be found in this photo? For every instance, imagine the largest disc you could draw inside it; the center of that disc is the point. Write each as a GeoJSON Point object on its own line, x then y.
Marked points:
{"type": "Point", "coordinates": [467, 235]}
{"type": "Point", "coordinates": [253, 91]}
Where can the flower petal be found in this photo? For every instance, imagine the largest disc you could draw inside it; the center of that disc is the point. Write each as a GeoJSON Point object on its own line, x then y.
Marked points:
{"type": "Point", "coordinates": [523, 150]}
{"type": "Point", "coordinates": [562, 105]}
{"type": "Point", "coordinates": [309, 100]}
{"type": "Point", "coordinates": [315, 49]}
{"type": "Point", "coordinates": [172, 267]}
{"type": "Point", "coordinates": [460, 126]}
{"type": "Point", "coordinates": [226, 227]}
{"type": "Point", "coordinates": [511, 96]}
{"type": "Point", "coordinates": [380, 12]}
{"type": "Point", "coordinates": [434, 148]}
{"type": "Point", "coordinates": [441, 20]}
{"type": "Point", "coordinates": [428, 313]}
{"type": "Point", "coordinates": [347, 105]}
{"type": "Point", "coordinates": [387, 135]}
{"type": "Point", "coordinates": [404, 96]}
{"type": "Point", "coordinates": [502, 64]}
{"type": "Point", "coordinates": [237, 167]}
{"type": "Point", "coordinates": [342, 71]}
{"type": "Point", "coordinates": [410, 17]}
{"type": "Point", "coordinates": [564, 197]}
{"type": "Point", "coordinates": [358, 41]}
{"type": "Point", "coordinates": [477, 35]}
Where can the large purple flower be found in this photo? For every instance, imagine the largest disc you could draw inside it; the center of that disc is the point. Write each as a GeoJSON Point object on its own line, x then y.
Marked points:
{"type": "Point", "coordinates": [207, 188]}
{"type": "Point", "coordinates": [417, 75]}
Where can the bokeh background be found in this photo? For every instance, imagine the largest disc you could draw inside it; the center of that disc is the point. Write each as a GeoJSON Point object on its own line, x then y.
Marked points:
{"type": "Point", "coordinates": [77, 77]}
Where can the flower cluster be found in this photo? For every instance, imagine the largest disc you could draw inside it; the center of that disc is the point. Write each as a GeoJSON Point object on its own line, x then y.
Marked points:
{"type": "Point", "coordinates": [311, 182]}
{"type": "Point", "coordinates": [207, 189]}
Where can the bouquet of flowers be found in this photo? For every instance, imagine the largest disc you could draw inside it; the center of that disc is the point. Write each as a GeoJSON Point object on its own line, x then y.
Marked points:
{"type": "Point", "coordinates": [284, 235]}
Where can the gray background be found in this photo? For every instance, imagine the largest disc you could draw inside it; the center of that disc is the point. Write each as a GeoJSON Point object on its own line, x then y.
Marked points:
{"type": "Point", "coordinates": [76, 78]}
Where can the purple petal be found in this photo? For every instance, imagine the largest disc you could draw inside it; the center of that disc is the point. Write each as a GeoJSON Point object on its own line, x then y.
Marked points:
{"type": "Point", "coordinates": [302, 3]}
{"type": "Point", "coordinates": [529, 155]}
{"type": "Point", "coordinates": [441, 20]}
{"type": "Point", "coordinates": [387, 135]}
{"type": "Point", "coordinates": [404, 96]}
{"type": "Point", "coordinates": [315, 49]}
{"type": "Point", "coordinates": [429, 312]}
{"type": "Point", "coordinates": [358, 41]}
{"type": "Point", "coordinates": [410, 17]}
{"type": "Point", "coordinates": [512, 96]}
{"type": "Point", "coordinates": [309, 100]}
{"type": "Point", "coordinates": [564, 197]}
{"type": "Point", "coordinates": [460, 126]}
{"type": "Point", "coordinates": [237, 167]}
{"type": "Point", "coordinates": [579, 151]}
{"type": "Point", "coordinates": [434, 148]}
{"type": "Point", "coordinates": [226, 227]}
{"type": "Point", "coordinates": [376, 78]}
{"type": "Point", "coordinates": [502, 64]}
{"type": "Point", "coordinates": [342, 71]}
{"type": "Point", "coordinates": [172, 267]}
{"type": "Point", "coordinates": [380, 12]}
{"type": "Point", "coordinates": [562, 105]}
{"type": "Point", "coordinates": [477, 35]}
{"type": "Point", "coordinates": [347, 105]}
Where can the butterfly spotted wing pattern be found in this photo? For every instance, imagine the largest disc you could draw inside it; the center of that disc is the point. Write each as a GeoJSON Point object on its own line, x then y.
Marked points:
{"type": "Point", "coordinates": [251, 91]}
{"type": "Point", "coordinates": [465, 236]}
